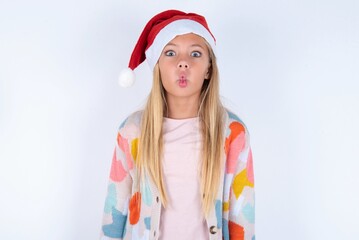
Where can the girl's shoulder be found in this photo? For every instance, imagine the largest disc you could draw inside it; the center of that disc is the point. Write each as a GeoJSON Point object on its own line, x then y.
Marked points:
{"type": "Point", "coordinates": [233, 119]}
{"type": "Point", "coordinates": [130, 127]}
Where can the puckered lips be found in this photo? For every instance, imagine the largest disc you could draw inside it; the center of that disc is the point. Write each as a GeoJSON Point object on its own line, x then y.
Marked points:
{"type": "Point", "coordinates": [182, 80]}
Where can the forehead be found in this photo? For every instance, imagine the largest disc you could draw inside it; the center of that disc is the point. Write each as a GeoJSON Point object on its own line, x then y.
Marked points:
{"type": "Point", "coordinates": [189, 38]}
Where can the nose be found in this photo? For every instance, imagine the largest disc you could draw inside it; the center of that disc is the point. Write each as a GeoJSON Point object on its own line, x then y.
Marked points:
{"type": "Point", "coordinates": [182, 64]}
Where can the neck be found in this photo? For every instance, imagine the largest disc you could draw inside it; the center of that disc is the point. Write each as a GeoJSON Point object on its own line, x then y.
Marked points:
{"type": "Point", "coordinates": [182, 108]}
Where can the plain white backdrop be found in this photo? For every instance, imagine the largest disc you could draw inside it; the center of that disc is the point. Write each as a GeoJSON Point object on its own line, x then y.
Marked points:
{"type": "Point", "coordinates": [289, 69]}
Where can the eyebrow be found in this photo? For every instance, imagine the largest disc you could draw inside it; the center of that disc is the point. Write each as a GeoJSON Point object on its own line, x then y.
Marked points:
{"type": "Point", "coordinates": [193, 45]}
{"type": "Point", "coordinates": [196, 45]}
{"type": "Point", "coordinates": [170, 44]}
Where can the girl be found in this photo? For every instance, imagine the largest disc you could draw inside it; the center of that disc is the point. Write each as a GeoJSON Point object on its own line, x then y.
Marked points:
{"type": "Point", "coordinates": [182, 168]}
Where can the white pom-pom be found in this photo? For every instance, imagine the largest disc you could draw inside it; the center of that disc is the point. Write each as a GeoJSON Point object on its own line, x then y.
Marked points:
{"type": "Point", "coordinates": [126, 78]}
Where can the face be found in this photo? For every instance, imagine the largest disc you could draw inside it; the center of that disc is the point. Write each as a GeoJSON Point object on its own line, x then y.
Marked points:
{"type": "Point", "coordinates": [184, 64]}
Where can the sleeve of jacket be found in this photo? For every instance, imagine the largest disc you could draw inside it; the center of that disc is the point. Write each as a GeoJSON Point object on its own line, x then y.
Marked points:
{"type": "Point", "coordinates": [119, 186]}
{"type": "Point", "coordinates": [239, 172]}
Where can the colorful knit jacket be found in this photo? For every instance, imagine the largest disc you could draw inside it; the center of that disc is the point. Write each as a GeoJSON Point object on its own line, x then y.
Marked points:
{"type": "Point", "coordinates": [135, 214]}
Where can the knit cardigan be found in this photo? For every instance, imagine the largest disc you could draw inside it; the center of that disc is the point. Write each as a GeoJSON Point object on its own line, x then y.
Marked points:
{"type": "Point", "coordinates": [132, 213]}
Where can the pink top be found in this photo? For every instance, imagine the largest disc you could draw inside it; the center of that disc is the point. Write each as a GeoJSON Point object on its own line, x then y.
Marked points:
{"type": "Point", "coordinates": [182, 219]}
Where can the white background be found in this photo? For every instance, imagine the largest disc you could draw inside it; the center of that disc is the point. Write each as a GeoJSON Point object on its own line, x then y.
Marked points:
{"type": "Point", "coordinates": [289, 69]}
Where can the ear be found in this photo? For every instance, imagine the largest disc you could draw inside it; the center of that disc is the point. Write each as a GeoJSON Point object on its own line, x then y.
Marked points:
{"type": "Point", "coordinates": [208, 73]}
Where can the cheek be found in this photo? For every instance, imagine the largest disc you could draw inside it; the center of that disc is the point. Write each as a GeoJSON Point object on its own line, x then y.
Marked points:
{"type": "Point", "coordinates": [166, 87]}
{"type": "Point", "coordinates": [163, 77]}
{"type": "Point", "coordinates": [163, 67]}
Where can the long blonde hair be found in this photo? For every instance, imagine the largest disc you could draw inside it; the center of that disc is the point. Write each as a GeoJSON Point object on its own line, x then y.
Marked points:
{"type": "Point", "coordinates": [211, 112]}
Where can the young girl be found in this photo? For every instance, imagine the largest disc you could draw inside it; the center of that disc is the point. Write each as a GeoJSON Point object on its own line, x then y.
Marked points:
{"type": "Point", "coordinates": [182, 168]}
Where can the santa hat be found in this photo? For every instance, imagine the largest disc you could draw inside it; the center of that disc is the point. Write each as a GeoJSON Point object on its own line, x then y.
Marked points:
{"type": "Point", "coordinates": [159, 31]}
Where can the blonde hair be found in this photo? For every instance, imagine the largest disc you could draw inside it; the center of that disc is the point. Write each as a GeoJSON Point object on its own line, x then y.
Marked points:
{"type": "Point", "coordinates": [210, 113]}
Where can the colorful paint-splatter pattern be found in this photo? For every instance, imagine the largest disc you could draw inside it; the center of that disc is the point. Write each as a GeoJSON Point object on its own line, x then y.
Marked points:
{"type": "Point", "coordinates": [132, 213]}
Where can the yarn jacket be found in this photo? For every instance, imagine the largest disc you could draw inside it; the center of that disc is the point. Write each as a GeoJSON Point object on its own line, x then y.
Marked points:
{"type": "Point", "coordinates": [135, 214]}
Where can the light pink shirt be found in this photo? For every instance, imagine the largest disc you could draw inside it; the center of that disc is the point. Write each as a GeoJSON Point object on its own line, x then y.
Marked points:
{"type": "Point", "coordinates": [182, 219]}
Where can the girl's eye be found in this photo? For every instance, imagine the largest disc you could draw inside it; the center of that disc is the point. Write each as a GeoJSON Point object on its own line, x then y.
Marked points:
{"type": "Point", "coordinates": [170, 53]}
{"type": "Point", "coordinates": [196, 54]}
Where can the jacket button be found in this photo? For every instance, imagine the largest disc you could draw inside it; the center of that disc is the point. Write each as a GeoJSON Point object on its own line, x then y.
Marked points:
{"type": "Point", "coordinates": [213, 230]}
{"type": "Point", "coordinates": [157, 199]}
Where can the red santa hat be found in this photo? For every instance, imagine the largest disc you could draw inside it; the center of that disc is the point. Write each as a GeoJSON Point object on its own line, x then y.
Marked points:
{"type": "Point", "coordinates": [159, 31]}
